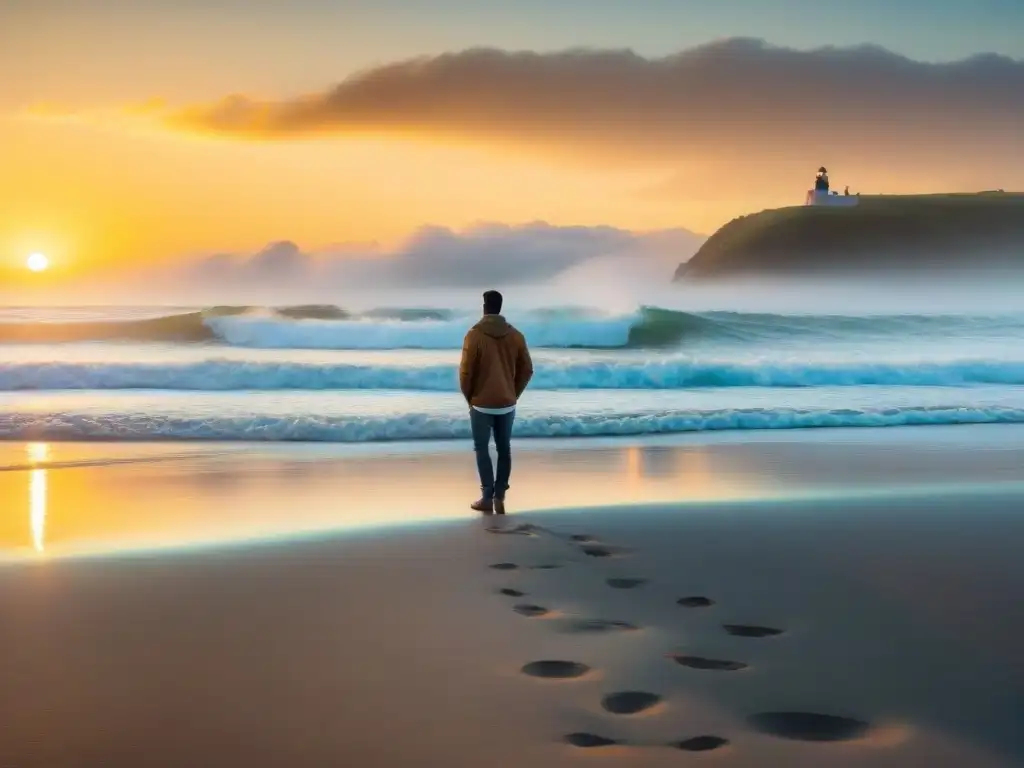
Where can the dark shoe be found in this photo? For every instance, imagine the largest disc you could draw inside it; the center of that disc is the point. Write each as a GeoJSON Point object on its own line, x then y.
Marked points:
{"type": "Point", "coordinates": [499, 506]}
{"type": "Point", "coordinates": [483, 505]}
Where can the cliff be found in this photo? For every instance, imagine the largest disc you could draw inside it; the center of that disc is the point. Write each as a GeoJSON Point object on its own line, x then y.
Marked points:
{"type": "Point", "coordinates": [899, 233]}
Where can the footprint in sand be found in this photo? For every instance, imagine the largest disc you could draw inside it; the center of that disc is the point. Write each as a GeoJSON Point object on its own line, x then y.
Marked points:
{"type": "Point", "coordinates": [513, 566]}
{"type": "Point", "coordinates": [808, 726]}
{"type": "Point", "coordinates": [699, 662]}
{"type": "Point", "coordinates": [526, 609]}
{"type": "Point", "coordinates": [625, 583]}
{"type": "Point", "coordinates": [629, 702]}
{"type": "Point", "coordinates": [600, 550]}
{"type": "Point", "coordinates": [555, 669]}
{"type": "Point", "coordinates": [595, 626]}
{"type": "Point", "coordinates": [700, 743]}
{"type": "Point", "coordinates": [520, 530]}
{"type": "Point", "coordinates": [509, 592]}
{"type": "Point", "coordinates": [589, 740]}
{"type": "Point", "coordinates": [695, 602]}
{"type": "Point", "coordinates": [751, 630]}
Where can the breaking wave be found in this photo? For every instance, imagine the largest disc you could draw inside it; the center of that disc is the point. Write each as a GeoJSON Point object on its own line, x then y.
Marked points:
{"type": "Point", "coordinates": [658, 374]}
{"type": "Point", "coordinates": [330, 327]}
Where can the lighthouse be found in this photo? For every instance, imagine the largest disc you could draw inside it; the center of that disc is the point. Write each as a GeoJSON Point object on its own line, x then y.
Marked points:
{"type": "Point", "coordinates": [821, 180]}
{"type": "Point", "coordinates": [821, 193]}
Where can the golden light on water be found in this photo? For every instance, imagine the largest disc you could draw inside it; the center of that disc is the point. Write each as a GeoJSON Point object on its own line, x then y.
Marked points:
{"type": "Point", "coordinates": [38, 453]}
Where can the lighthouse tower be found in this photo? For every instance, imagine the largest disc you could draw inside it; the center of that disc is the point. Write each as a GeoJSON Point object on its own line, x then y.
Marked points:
{"type": "Point", "coordinates": [821, 180]}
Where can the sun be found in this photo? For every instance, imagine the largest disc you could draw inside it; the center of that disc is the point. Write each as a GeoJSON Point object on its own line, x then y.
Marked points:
{"type": "Point", "coordinates": [37, 262]}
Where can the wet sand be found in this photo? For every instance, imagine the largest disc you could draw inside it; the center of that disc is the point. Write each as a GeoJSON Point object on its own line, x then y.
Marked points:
{"type": "Point", "coordinates": [61, 499]}
{"type": "Point", "coordinates": [803, 603]}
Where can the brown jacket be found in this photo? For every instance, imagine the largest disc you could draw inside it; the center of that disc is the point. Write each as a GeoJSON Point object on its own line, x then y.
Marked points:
{"type": "Point", "coordinates": [496, 365]}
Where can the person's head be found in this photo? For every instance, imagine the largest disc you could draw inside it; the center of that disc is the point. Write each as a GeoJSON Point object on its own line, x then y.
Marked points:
{"type": "Point", "coordinates": [492, 303]}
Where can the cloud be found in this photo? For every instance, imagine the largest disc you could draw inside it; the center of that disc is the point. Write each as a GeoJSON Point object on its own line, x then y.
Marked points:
{"type": "Point", "coordinates": [436, 258]}
{"type": "Point", "coordinates": [736, 94]}
{"type": "Point", "coordinates": [732, 125]}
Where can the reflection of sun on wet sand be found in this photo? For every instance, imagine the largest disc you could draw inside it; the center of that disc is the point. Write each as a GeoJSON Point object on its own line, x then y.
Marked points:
{"type": "Point", "coordinates": [216, 493]}
{"type": "Point", "coordinates": [838, 630]}
{"type": "Point", "coordinates": [38, 453]}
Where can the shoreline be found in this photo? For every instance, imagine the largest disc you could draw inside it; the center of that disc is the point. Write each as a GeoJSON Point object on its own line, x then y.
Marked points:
{"type": "Point", "coordinates": [65, 499]}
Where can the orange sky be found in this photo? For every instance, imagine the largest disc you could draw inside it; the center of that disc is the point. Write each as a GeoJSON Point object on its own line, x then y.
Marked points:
{"type": "Point", "coordinates": [82, 193]}
{"type": "Point", "coordinates": [326, 151]}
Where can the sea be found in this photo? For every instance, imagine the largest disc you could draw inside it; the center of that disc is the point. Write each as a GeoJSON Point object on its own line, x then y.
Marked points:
{"type": "Point", "coordinates": [334, 374]}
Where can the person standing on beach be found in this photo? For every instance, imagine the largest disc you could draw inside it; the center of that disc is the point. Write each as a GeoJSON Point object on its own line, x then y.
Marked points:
{"type": "Point", "coordinates": [494, 372]}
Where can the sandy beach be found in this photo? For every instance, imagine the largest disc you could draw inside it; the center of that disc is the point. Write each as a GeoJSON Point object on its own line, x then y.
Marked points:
{"type": "Point", "coordinates": [815, 599]}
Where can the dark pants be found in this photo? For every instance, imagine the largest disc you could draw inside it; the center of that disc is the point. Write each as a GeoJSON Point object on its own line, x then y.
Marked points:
{"type": "Point", "coordinates": [483, 424]}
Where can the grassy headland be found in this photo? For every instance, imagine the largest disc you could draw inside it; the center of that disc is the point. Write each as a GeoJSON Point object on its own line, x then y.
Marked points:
{"type": "Point", "coordinates": [888, 233]}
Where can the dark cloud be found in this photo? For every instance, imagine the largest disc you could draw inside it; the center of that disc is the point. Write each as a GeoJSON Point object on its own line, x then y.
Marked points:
{"type": "Point", "coordinates": [280, 263]}
{"type": "Point", "coordinates": [740, 93]}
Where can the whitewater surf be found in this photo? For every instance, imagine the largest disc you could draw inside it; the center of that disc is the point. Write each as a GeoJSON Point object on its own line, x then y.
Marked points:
{"type": "Point", "coordinates": [328, 373]}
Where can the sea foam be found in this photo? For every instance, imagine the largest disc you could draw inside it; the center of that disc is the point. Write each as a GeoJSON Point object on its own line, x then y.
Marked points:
{"type": "Point", "coordinates": [66, 425]}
